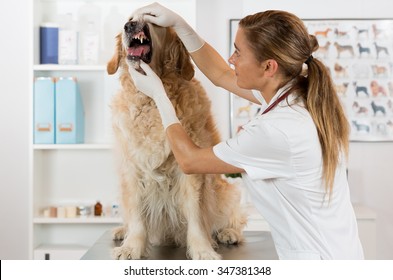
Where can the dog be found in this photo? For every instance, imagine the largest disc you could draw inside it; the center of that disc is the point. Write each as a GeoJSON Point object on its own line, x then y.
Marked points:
{"type": "Point", "coordinates": [359, 109]}
{"type": "Point", "coordinates": [340, 34]}
{"type": "Point", "coordinates": [364, 50]}
{"type": "Point", "coordinates": [381, 49]}
{"type": "Point", "coordinates": [323, 51]}
{"type": "Point", "coordinates": [378, 108]}
{"type": "Point", "coordinates": [377, 89]}
{"type": "Point", "coordinates": [361, 127]}
{"type": "Point", "coordinates": [341, 89]}
{"type": "Point", "coordinates": [378, 32]}
{"type": "Point", "coordinates": [344, 49]}
{"type": "Point", "coordinates": [322, 33]}
{"type": "Point", "coordinates": [361, 32]}
{"type": "Point", "coordinates": [341, 71]}
{"type": "Point", "coordinates": [359, 89]}
{"type": "Point", "coordinates": [379, 71]}
{"type": "Point", "coordinates": [245, 109]}
{"type": "Point", "coordinates": [160, 204]}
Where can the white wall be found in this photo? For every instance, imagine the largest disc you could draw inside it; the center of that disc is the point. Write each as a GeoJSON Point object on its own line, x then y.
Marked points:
{"type": "Point", "coordinates": [369, 163]}
{"type": "Point", "coordinates": [212, 24]}
{"type": "Point", "coordinates": [14, 126]}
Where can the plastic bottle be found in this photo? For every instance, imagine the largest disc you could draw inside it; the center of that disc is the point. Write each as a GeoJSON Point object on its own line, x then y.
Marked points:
{"type": "Point", "coordinates": [89, 45]}
{"type": "Point", "coordinates": [49, 43]}
{"type": "Point", "coordinates": [68, 41]}
{"type": "Point", "coordinates": [89, 21]}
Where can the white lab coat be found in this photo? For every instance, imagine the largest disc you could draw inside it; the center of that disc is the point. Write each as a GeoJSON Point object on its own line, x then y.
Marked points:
{"type": "Point", "coordinates": [281, 155]}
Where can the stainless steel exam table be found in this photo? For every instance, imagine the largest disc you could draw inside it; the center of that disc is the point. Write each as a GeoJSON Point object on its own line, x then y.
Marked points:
{"type": "Point", "coordinates": [258, 245]}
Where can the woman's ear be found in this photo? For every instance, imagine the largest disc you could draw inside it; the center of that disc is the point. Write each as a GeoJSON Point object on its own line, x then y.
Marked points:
{"type": "Point", "coordinates": [271, 67]}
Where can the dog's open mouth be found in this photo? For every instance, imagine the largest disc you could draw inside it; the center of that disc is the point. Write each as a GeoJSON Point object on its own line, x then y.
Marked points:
{"type": "Point", "coordinates": [139, 42]}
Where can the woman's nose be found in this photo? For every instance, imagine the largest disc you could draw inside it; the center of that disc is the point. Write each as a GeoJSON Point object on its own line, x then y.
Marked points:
{"type": "Point", "coordinates": [231, 60]}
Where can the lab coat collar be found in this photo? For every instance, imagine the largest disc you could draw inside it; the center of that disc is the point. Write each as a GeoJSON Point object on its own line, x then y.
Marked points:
{"type": "Point", "coordinates": [258, 95]}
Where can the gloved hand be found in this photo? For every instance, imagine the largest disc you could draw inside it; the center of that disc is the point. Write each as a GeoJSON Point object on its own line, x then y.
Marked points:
{"type": "Point", "coordinates": [151, 85]}
{"type": "Point", "coordinates": [159, 15]}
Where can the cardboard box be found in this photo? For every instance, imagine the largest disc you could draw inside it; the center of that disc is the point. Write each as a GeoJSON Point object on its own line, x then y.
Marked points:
{"type": "Point", "coordinates": [70, 119]}
{"type": "Point", "coordinates": [44, 110]}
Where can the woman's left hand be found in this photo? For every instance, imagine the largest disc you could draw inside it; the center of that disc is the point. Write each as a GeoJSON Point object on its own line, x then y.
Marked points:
{"type": "Point", "coordinates": [150, 84]}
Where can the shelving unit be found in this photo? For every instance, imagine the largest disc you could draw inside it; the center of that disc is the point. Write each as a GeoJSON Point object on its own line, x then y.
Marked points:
{"type": "Point", "coordinates": [80, 174]}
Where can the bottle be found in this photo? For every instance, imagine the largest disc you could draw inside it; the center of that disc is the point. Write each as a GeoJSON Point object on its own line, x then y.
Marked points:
{"type": "Point", "coordinates": [68, 41]}
{"type": "Point", "coordinates": [98, 209]}
{"type": "Point", "coordinates": [89, 45]}
{"type": "Point", "coordinates": [89, 22]}
{"type": "Point", "coordinates": [49, 39]}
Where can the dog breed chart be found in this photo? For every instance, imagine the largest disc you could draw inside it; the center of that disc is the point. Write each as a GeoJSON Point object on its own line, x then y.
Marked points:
{"type": "Point", "coordinates": [358, 54]}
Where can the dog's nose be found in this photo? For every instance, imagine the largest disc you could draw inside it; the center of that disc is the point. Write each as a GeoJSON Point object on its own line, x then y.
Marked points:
{"type": "Point", "coordinates": [129, 26]}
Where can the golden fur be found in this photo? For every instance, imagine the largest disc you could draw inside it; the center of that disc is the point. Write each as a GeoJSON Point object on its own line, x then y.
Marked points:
{"type": "Point", "coordinates": [160, 204]}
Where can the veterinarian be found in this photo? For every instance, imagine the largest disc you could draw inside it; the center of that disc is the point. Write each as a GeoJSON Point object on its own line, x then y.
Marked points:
{"type": "Point", "coordinates": [292, 156]}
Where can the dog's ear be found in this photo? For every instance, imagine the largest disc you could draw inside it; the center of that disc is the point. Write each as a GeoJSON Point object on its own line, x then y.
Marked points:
{"type": "Point", "coordinates": [114, 63]}
{"type": "Point", "coordinates": [179, 54]}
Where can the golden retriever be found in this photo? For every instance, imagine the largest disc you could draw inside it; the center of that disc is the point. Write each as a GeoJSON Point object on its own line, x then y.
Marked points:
{"type": "Point", "coordinates": [160, 204]}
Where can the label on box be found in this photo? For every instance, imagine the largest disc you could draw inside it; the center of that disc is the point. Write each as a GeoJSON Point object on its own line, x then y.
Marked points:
{"type": "Point", "coordinates": [44, 110]}
{"type": "Point", "coordinates": [68, 46]}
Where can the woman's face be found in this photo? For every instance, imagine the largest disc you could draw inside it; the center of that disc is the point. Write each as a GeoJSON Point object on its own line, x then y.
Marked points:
{"type": "Point", "coordinates": [249, 71]}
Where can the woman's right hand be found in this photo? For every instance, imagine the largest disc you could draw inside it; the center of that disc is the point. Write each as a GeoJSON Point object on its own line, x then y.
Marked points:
{"type": "Point", "coordinates": [159, 15]}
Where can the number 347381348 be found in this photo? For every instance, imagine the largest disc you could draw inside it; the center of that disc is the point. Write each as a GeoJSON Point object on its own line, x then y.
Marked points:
{"type": "Point", "coordinates": [238, 270]}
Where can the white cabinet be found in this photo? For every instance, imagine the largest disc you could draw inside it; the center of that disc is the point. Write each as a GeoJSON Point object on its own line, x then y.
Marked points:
{"type": "Point", "coordinates": [74, 175]}
{"type": "Point", "coordinates": [79, 174]}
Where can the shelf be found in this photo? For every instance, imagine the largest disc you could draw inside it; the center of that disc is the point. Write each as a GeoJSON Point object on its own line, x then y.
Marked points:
{"type": "Point", "coordinates": [78, 220]}
{"type": "Point", "coordinates": [58, 67]}
{"type": "Point", "coordinates": [72, 146]}
{"type": "Point", "coordinates": [86, 172]}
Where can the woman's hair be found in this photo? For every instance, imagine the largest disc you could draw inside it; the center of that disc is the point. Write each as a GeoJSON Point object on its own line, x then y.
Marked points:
{"type": "Point", "coordinates": [282, 36]}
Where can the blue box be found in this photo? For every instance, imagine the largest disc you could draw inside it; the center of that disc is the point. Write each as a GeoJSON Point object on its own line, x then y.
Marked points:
{"type": "Point", "coordinates": [49, 43]}
{"type": "Point", "coordinates": [44, 110]}
{"type": "Point", "coordinates": [70, 117]}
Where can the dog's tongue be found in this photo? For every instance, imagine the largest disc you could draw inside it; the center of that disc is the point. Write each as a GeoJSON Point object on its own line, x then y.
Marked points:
{"type": "Point", "coordinates": [138, 51]}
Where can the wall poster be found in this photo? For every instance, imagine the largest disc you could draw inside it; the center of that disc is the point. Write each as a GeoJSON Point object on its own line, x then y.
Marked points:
{"type": "Point", "coordinates": [359, 56]}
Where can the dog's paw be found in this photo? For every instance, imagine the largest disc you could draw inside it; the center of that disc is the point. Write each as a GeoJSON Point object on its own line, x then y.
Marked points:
{"type": "Point", "coordinates": [229, 236]}
{"type": "Point", "coordinates": [119, 233]}
{"type": "Point", "coordinates": [128, 253]}
{"type": "Point", "coordinates": [204, 255]}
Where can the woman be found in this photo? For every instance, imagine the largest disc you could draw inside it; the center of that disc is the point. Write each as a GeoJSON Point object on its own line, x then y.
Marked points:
{"type": "Point", "coordinates": [292, 156]}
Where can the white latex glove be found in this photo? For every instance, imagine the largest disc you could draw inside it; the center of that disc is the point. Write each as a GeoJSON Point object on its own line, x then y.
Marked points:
{"type": "Point", "coordinates": [159, 15]}
{"type": "Point", "coordinates": [151, 85]}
